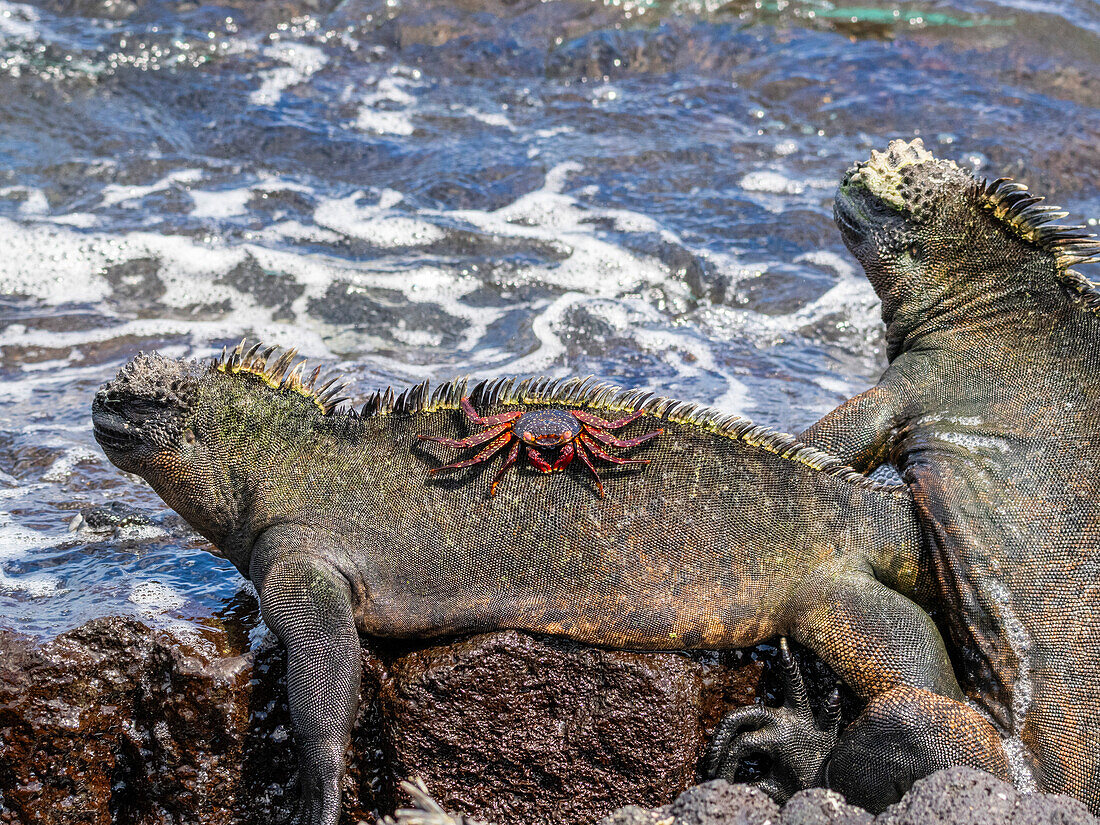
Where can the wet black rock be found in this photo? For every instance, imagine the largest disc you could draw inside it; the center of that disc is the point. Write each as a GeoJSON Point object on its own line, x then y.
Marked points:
{"type": "Point", "coordinates": [108, 518]}
{"type": "Point", "coordinates": [275, 290]}
{"type": "Point", "coordinates": [117, 722]}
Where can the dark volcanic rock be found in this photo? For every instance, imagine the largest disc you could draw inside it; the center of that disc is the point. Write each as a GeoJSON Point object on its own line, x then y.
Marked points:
{"type": "Point", "coordinates": [719, 803]}
{"type": "Point", "coordinates": [115, 722]}
{"type": "Point", "coordinates": [1051, 809]}
{"type": "Point", "coordinates": [637, 815]}
{"type": "Point", "coordinates": [512, 728]}
{"type": "Point", "coordinates": [118, 723]}
{"type": "Point", "coordinates": [818, 806]}
{"type": "Point", "coordinates": [79, 744]}
{"type": "Point", "coordinates": [964, 796]}
{"type": "Point", "coordinates": [957, 796]}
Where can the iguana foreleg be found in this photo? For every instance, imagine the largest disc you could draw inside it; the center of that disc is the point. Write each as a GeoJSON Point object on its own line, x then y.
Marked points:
{"type": "Point", "coordinates": [860, 431]}
{"type": "Point", "coordinates": [308, 606]}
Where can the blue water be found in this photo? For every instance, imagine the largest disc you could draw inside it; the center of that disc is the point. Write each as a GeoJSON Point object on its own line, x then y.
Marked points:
{"type": "Point", "coordinates": [411, 190]}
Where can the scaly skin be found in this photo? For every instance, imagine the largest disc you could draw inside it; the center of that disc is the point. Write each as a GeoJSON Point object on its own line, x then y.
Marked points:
{"type": "Point", "coordinates": [730, 536]}
{"type": "Point", "coordinates": [990, 410]}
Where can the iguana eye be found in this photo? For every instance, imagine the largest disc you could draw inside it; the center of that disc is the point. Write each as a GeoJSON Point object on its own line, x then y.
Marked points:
{"type": "Point", "coordinates": [189, 436]}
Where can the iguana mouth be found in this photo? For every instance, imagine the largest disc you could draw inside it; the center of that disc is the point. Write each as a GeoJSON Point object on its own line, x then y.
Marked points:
{"type": "Point", "coordinates": [846, 214]}
{"type": "Point", "coordinates": [111, 430]}
{"type": "Point", "coordinates": [856, 211]}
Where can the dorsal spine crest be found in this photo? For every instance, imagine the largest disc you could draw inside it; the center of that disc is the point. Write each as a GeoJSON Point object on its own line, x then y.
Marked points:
{"type": "Point", "coordinates": [279, 374]}
{"type": "Point", "coordinates": [584, 392]}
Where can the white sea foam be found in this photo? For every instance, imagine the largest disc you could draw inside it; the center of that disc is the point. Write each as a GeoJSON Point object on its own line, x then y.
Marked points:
{"type": "Point", "coordinates": [49, 263]}
{"type": "Point", "coordinates": [489, 118]}
{"type": "Point", "coordinates": [15, 542]}
{"type": "Point", "coordinates": [302, 62]}
{"type": "Point", "coordinates": [386, 109]}
{"type": "Point", "coordinates": [225, 203]}
{"type": "Point", "coordinates": [295, 231]}
{"type": "Point", "coordinates": [593, 270]}
{"type": "Point", "coordinates": [825, 257]}
{"type": "Point", "coordinates": [384, 122]}
{"type": "Point", "coordinates": [153, 598]}
{"type": "Point", "coordinates": [594, 265]}
{"type": "Point", "coordinates": [777, 192]}
{"type": "Point", "coordinates": [63, 466]}
{"type": "Point", "coordinates": [81, 220]}
{"type": "Point", "coordinates": [767, 181]}
{"type": "Point", "coordinates": [18, 21]}
{"type": "Point", "coordinates": [377, 223]}
{"type": "Point", "coordinates": [129, 195]}
{"type": "Point", "coordinates": [35, 203]}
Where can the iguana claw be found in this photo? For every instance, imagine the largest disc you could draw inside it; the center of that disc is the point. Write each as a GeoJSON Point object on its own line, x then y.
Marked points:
{"type": "Point", "coordinates": [309, 810]}
{"type": "Point", "coordinates": [796, 744]}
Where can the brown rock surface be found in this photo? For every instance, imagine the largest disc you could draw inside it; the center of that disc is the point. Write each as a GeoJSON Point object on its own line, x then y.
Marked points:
{"type": "Point", "coordinates": [115, 722]}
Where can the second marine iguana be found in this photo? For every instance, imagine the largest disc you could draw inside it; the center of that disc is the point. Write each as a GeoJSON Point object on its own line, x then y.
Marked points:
{"type": "Point", "coordinates": [730, 536]}
{"type": "Point", "coordinates": [990, 410]}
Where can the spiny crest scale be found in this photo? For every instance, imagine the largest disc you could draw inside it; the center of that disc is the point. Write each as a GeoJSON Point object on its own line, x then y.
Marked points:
{"type": "Point", "coordinates": [1031, 220]}
{"type": "Point", "coordinates": [889, 176]}
{"type": "Point", "coordinates": [280, 372]}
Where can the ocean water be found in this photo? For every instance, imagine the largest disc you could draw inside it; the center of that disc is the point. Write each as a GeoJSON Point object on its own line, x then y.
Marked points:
{"type": "Point", "coordinates": [409, 189]}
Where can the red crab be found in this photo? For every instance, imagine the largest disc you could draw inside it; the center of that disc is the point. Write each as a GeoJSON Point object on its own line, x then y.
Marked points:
{"type": "Point", "coordinates": [574, 433]}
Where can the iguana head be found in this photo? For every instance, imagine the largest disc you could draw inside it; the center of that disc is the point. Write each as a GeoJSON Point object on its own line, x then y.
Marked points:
{"type": "Point", "coordinates": [149, 422]}
{"type": "Point", "coordinates": [141, 418]}
{"type": "Point", "coordinates": [901, 210]}
{"type": "Point", "coordinates": [206, 436]}
{"type": "Point", "coordinates": [933, 239]}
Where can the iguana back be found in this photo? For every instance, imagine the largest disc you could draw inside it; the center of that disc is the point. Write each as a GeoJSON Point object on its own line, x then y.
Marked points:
{"type": "Point", "coordinates": [675, 555]}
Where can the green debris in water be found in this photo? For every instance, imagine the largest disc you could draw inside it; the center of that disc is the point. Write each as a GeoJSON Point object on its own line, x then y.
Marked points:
{"type": "Point", "coordinates": [913, 18]}
{"type": "Point", "coordinates": [810, 10]}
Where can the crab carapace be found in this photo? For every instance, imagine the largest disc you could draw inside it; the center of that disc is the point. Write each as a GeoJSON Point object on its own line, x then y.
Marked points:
{"type": "Point", "coordinates": [575, 434]}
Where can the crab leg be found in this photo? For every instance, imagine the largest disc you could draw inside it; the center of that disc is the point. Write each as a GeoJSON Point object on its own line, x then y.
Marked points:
{"type": "Point", "coordinates": [484, 455]}
{"type": "Point", "coordinates": [594, 421]}
{"type": "Point", "coordinates": [565, 458]}
{"type": "Point", "coordinates": [601, 453]}
{"type": "Point", "coordinates": [583, 456]}
{"type": "Point", "coordinates": [470, 441]}
{"type": "Point", "coordinates": [488, 421]}
{"type": "Point", "coordinates": [513, 454]}
{"type": "Point", "coordinates": [535, 457]}
{"type": "Point", "coordinates": [612, 441]}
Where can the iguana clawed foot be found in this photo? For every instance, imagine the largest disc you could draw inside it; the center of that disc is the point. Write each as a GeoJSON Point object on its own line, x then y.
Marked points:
{"type": "Point", "coordinates": [317, 803]}
{"type": "Point", "coordinates": [790, 736]}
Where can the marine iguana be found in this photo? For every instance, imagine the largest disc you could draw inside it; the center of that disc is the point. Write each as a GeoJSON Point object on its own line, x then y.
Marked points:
{"type": "Point", "coordinates": [730, 536]}
{"type": "Point", "coordinates": [990, 410]}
